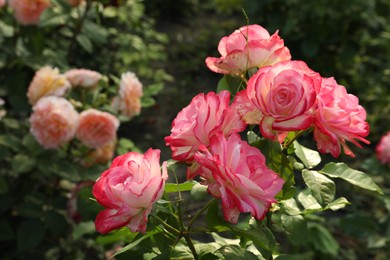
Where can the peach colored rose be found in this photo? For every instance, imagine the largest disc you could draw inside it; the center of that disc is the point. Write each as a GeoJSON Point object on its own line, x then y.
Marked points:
{"type": "Point", "coordinates": [100, 155]}
{"type": "Point", "coordinates": [28, 12]}
{"type": "Point", "coordinates": [96, 128]}
{"type": "Point", "coordinates": [339, 118]}
{"type": "Point", "coordinates": [285, 94]}
{"type": "Point", "coordinates": [53, 122]}
{"type": "Point", "coordinates": [237, 173]}
{"type": "Point", "coordinates": [83, 77]}
{"type": "Point", "coordinates": [383, 149]}
{"type": "Point", "coordinates": [248, 47]}
{"type": "Point", "coordinates": [128, 102]}
{"type": "Point", "coordinates": [128, 190]}
{"type": "Point", "coordinates": [47, 82]}
{"type": "Point", "coordinates": [203, 117]}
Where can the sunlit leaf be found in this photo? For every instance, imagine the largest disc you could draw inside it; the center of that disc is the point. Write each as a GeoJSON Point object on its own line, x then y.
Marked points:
{"type": "Point", "coordinates": [185, 186]}
{"type": "Point", "coordinates": [358, 178]}
{"type": "Point", "coordinates": [322, 188]}
{"type": "Point", "coordinates": [309, 158]}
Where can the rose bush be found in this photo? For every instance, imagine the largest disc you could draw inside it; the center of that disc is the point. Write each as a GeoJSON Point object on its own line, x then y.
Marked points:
{"type": "Point", "coordinates": [128, 189]}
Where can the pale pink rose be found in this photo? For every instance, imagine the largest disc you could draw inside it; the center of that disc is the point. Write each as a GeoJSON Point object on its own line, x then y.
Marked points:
{"type": "Point", "coordinates": [53, 122]}
{"type": "Point", "coordinates": [128, 190]}
{"type": "Point", "coordinates": [28, 12]}
{"type": "Point", "coordinates": [237, 173]}
{"type": "Point", "coordinates": [128, 102]}
{"type": "Point", "coordinates": [2, 3]}
{"type": "Point", "coordinates": [285, 93]}
{"type": "Point", "coordinates": [206, 115]}
{"type": "Point", "coordinates": [83, 78]}
{"type": "Point", "coordinates": [248, 47]}
{"type": "Point", "coordinates": [383, 149]}
{"type": "Point", "coordinates": [47, 82]}
{"type": "Point", "coordinates": [96, 128]}
{"type": "Point", "coordinates": [339, 118]}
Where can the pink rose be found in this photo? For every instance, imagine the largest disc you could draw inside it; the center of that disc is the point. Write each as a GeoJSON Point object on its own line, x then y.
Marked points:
{"type": "Point", "coordinates": [128, 190]}
{"type": "Point", "coordinates": [248, 47]}
{"type": "Point", "coordinates": [285, 93]}
{"type": "Point", "coordinates": [47, 82]}
{"type": "Point", "coordinates": [206, 115]}
{"type": "Point", "coordinates": [83, 78]}
{"type": "Point", "coordinates": [96, 128]}
{"type": "Point", "coordinates": [237, 173]}
{"type": "Point", "coordinates": [383, 149]}
{"type": "Point", "coordinates": [339, 118]}
{"type": "Point", "coordinates": [28, 12]}
{"type": "Point", "coordinates": [2, 3]}
{"type": "Point", "coordinates": [53, 122]}
{"type": "Point", "coordinates": [248, 112]}
{"type": "Point", "coordinates": [128, 102]}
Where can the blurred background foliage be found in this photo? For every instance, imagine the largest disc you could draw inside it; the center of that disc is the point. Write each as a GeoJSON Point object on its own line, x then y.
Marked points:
{"type": "Point", "coordinates": [166, 42]}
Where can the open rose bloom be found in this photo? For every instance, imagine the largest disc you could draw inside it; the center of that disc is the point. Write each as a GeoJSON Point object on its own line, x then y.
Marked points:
{"type": "Point", "coordinates": [28, 12]}
{"type": "Point", "coordinates": [128, 190]}
{"type": "Point", "coordinates": [237, 173]}
{"type": "Point", "coordinates": [383, 149]}
{"type": "Point", "coordinates": [285, 94]}
{"type": "Point", "coordinates": [128, 102]}
{"type": "Point", "coordinates": [248, 47]}
{"type": "Point", "coordinates": [339, 118]}
{"type": "Point", "coordinates": [47, 81]}
{"type": "Point", "coordinates": [206, 115]}
{"type": "Point", "coordinates": [97, 128]}
{"type": "Point", "coordinates": [53, 122]}
{"type": "Point", "coordinates": [83, 78]}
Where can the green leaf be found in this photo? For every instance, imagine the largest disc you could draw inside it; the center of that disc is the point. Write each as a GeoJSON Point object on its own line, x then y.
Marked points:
{"type": "Point", "coordinates": [223, 85]}
{"type": "Point", "coordinates": [95, 32]}
{"type": "Point", "coordinates": [322, 240]}
{"type": "Point", "coordinates": [136, 242]}
{"type": "Point", "coordinates": [322, 188]}
{"type": "Point", "coordinates": [308, 201]}
{"type": "Point", "coordinates": [262, 238]}
{"type": "Point", "coordinates": [85, 43]}
{"type": "Point", "coordinates": [309, 158]}
{"type": "Point", "coordinates": [10, 141]}
{"type": "Point", "coordinates": [50, 18]}
{"type": "Point", "coordinates": [83, 228]}
{"type": "Point", "coordinates": [199, 191]}
{"type": "Point", "coordinates": [337, 204]}
{"type": "Point", "coordinates": [147, 101]}
{"type": "Point", "coordinates": [121, 235]}
{"type": "Point", "coordinates": [30, 233]}
{"type": "Point", "coordinates": [185, 186]}
{"type": "Point", "coordinates": [290, 207]}
{"type": "Point", "coordinates": [234, 252]}
{"type": "Point", "coordinates": [214, 219]}
{"type": "Point", "coordinates": [3, 185]}
{"type": "Point", "coordinates": [153, 89]}
{"type": "Point", "coordinates": [358, 178]}
{"type": "Point", "coordinates": [22, 163]}
{"type": "Point", "coordinates": [296, 228]}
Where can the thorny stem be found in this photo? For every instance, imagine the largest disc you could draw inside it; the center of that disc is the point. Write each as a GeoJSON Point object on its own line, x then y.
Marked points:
{"type": "Point", "coordinates": [287, 145]}
{"type": "Point", "coordinates": [200, 212]}
{"type": "Point", "coordinates": [167, 226]}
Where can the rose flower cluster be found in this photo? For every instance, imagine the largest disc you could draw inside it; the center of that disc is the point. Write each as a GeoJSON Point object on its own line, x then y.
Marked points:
{"type": "Point", "coordinates": [281, 96]}
{"type": "Point", "coordinates": [55, 121]}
